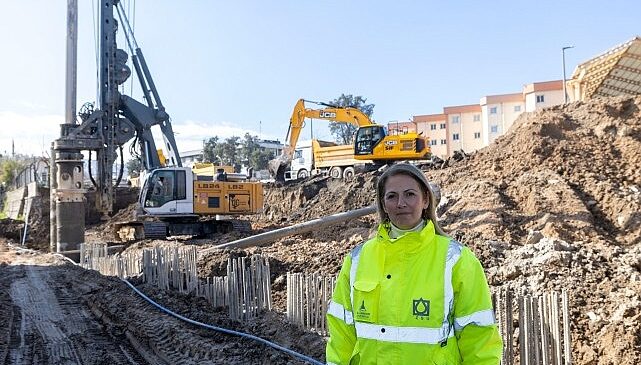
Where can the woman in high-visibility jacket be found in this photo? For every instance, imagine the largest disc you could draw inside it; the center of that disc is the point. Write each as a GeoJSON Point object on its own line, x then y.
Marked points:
{"type": "Point", "coordinates": [411, 294]}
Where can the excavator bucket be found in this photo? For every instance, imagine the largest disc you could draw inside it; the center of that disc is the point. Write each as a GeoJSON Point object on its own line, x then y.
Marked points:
{"type": "Point", "coordinates": [278, 166]}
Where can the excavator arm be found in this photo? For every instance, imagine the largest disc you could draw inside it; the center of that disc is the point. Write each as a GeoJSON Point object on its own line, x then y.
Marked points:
{"type": "Point", "coordinates": [330, 113]}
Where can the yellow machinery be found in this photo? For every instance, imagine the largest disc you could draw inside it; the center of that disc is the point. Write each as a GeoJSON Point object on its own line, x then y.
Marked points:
{"type": "Point", "coordinates": [179, 201]}
{"type": "Point", "coordinates": [371, 143]}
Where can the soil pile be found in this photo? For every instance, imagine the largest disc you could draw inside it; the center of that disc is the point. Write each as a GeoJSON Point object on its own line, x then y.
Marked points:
{"type": "Point", "coordinates": [11, 229]}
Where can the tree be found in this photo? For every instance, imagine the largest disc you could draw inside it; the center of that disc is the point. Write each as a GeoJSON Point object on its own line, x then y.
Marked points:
{"type": "Point", "coordinates": [229, 154]}
{"type": "Point", "coordinates": [252, 154]}
{"type": "Point", "coordinates": [344, 132]}
{"type": "Point", "coordinates": [236, 152]}
{"type": "Point", "coordinates": [134, 167]}
{"type": "Point", "coordinates": [211, 150]}
{"type": "Point", "coordinates": [8, 170]}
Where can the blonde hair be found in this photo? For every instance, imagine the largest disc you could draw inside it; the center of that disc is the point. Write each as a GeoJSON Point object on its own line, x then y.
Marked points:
{"type": "Point", "coordinates": [414, 172]}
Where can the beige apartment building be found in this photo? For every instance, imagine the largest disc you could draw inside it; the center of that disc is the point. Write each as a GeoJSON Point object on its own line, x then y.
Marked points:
{"type": "Point", "coordinates": [471, 127]}
{"type": "Point", "coordinates": [498, 114]}
{"type": "Point", "coordinates": [434, 128]}
{"type": "Point", "coordinates": [542, 95]}
{"type": "Point", "coordinates": [464, 128]}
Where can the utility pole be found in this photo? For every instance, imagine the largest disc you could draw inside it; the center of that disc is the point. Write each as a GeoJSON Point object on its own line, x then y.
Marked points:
{"type": "Point", "coordinates": [565, 94]}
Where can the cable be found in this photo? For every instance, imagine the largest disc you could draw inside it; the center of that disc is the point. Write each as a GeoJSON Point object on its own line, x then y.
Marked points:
{"type": "Point", "coordinates": [122, 167]}
{"type": "Point", "coordinates": [224, 330]}
{"type": "Point", "coordinates": [90, 174]}
{"type": "Point", "coordinates": [215, 328]}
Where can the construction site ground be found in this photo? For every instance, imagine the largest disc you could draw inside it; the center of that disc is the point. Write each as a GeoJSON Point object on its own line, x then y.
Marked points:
{"type": "Point", "coordinates": [553, 204]}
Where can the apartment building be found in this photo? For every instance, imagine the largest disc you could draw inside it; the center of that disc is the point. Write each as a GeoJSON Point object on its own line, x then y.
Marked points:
{"type": "Point", "coordinates": [540, 95]}
{"type": "Point", "coordinates": [474, 126]}
{"type": "Point", "coordinates": [498, 113]}
{"type": "Point", "coordinates": [464, 128]}
{"type": "Point", "coordinates": [400, 127]}
{"type": "Point", "coordinates": [434, 128]}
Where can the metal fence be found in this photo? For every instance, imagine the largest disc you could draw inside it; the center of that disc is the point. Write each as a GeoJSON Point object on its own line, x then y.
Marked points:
{"type": "Point", "coordinates": [94, 256]}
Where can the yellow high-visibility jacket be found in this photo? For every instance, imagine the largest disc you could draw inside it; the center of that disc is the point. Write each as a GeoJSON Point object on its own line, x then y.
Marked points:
{"type": "Point", "coordinates": [419, 299]}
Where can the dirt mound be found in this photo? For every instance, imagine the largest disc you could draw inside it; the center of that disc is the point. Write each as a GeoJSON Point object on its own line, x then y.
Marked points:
{"type": "Point", "coordinates": [38, 228]}
{"type": "Point", "coordinates": [11, 229]}
{"type": "Point", "coordinates": [316, 197]}
{"type": "Point", "coordinates": [579, 164]}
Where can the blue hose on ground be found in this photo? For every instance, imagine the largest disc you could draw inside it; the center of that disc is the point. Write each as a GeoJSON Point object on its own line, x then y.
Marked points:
{"type": "Point", "coordinates": [218, 329]}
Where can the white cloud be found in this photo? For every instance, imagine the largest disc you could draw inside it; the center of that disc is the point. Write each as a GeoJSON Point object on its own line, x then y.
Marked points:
{"type": "Point", "coordinates": [190, 134]}
{"type": "Point", "coordinates": [31, 134]}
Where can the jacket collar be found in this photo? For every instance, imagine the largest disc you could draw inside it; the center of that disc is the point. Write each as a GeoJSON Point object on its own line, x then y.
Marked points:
{"type": "Point", "coordinates": [424, 236]}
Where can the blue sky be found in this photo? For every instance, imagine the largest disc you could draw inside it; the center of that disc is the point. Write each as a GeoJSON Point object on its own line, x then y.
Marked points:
{"type": "Point", "coordinates": [229, 67]}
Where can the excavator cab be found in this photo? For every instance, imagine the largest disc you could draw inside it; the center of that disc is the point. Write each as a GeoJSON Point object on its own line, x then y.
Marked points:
{"type": "Point", "coordinates": [367, 138]}
{"type": "Point", "coordinates": [163, 189]}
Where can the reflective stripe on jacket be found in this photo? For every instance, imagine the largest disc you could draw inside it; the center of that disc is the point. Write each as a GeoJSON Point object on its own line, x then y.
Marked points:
{"type": "Point", "coordinates": [419, 299]}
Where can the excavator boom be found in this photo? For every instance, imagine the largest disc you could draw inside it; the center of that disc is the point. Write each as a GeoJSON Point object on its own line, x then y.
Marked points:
{"type": "Point", "coordinates": [353, 116]}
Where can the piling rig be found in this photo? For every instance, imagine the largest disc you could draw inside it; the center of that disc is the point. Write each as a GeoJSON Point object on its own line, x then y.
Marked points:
{"type": "Point", "coordinates": [104, 128]}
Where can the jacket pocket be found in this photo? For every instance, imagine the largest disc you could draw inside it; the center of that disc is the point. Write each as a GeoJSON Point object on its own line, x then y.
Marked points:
{"type": "Point", "coordinates": [366, 297]}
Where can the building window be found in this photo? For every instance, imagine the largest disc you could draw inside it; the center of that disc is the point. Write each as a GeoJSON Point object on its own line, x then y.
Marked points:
{"type": "Point", "coordinates": [443, 125]}
{"type": "Point", "coordinates": [433, 142]}
{"type": "Point", "coordinates": [477, 135]}
{"type": "Point", "coordinates": [517, 108]}
{"type": "Point", "coordinates": [477, 117]}
{"type": "Point", "coordinates": [540, 98]}
{"type": "Point", "coordinates": [493, 110]}
{"type": "Point", "coordinates": [455, 136]}
{"type": "Point", "coordinates": [433, 127]}
{"type": "Point", "coordinates": [444, 141]}
{"type": "Point", "coordinates": [494, 129]}
{"type": "Point", "coordinates": [456, 119]}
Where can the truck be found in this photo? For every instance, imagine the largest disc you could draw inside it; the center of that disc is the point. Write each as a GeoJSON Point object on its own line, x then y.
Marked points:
{"type": "Point", "coordinates": [315, 157]}
{"type": "Point", "coordinates": [373, 145]}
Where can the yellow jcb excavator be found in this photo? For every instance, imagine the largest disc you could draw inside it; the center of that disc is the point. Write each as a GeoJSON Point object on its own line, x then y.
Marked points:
{"type": "Point", "coordinates": [371, 143]}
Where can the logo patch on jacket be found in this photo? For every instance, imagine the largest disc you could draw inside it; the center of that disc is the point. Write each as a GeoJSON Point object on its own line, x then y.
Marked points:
{"type": "Point", "coordinates": [363, 314]}
{"type": "Point", "coordinates": [421, 308]}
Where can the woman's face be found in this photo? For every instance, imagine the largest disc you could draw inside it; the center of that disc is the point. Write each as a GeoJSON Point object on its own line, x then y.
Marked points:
{"type": "Point", "coordinates": [404, 201]}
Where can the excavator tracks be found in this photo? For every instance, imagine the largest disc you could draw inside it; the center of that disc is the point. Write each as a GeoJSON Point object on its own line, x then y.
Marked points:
{"type": "Point", "coordinates": [49, 325]}
{"type": "Point", "coordinates": [53, 312]}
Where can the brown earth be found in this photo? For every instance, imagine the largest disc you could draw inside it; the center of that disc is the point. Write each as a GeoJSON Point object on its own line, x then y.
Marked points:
{"type": "Point", "coordinates": [553, 204]}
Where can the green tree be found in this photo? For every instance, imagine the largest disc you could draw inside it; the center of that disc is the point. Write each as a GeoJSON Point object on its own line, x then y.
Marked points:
{"type": "Point", "coordinates": [344, 132]}
{"type": "Point", "coordinates": [8, 170]}
{"type": "Point", "coordinates": [211, 150]}
{"type": "Point", "coordinates": [134, 167]}
{"type": "Point", "coordinates": [229, 152]}
{"type": "Point", "coordinates": [252, 154]}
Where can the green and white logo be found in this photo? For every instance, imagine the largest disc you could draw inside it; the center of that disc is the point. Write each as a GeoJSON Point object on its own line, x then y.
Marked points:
{"type": "Point", "coordinates": [421, 308]}
{"type": "Point", "coordinates": [362, 314]}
